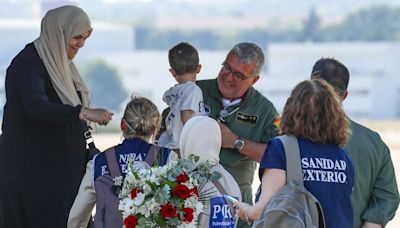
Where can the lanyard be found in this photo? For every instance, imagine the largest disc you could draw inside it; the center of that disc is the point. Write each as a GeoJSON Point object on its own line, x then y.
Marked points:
{"type": "Point", "coordinates": [223, 113]}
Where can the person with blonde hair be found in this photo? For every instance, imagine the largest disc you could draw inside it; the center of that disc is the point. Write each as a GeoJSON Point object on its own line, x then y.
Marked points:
{"type": "Point", "coordinates": [42, 146]}
{"type": "Point", "coordinates": [314, 115]}
{"type": "Point", "coordinates": [139, 125]}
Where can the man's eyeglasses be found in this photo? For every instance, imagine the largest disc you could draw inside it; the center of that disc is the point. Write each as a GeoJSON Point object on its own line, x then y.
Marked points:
{"type": "Point", "coordinates": [237, 76]}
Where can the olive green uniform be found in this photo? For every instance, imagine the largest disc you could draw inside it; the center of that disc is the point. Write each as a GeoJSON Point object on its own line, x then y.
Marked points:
{"type": "Point", "coordinates": [253, 120]}
{"type": "Point", "coordinates": [375, 197]}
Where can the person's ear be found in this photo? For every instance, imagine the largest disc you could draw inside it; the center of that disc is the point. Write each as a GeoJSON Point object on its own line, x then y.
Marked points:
{"type": "Point", "coordinates": [153, 136]}
{"type": "Point", "coordinates": [254, 79]}
{"type": "Point", "coordinates": [345, 93]}
{"type": "Point", "coordinates": [198, 68]}
{"type": "Point", "coordinates": [156, 130]}
{"type": "Point", "coordinates": [173, 72]}
{"type": "Point", "coordinates": [123, 125]}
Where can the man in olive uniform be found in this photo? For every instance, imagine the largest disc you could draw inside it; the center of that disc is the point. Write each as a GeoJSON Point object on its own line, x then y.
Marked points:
{"type": "Point", "coordinates": [375, 197]}
{"type": "Point", "coordinates": [246, 117]}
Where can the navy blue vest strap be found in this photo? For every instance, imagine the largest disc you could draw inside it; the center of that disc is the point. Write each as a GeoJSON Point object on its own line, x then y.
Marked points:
{"type": "Point", "coordinates": [152, 154]}
{"type": "Point", "coordinates": [112, 162]}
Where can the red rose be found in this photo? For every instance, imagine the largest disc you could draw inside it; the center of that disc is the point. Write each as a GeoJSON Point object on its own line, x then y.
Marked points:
{"type": "Point", "coordinates": [195, 191]}
{"type": "Point", "coordinates": [183, 177]}
{"type": "Point", "coordinates": [168, 211]}
{"type": "Point", "coordinates": [130, 221]}
{"type": "Point", "coordinates": [181, 191]}
{"type": "Point", "coordinates": [134, 193]}
{"type": "Point", "coordinates": [188, 214]}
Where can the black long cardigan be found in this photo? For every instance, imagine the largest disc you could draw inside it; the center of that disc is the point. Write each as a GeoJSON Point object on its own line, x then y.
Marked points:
{"type": "Point", "coordinates": [42, 149]}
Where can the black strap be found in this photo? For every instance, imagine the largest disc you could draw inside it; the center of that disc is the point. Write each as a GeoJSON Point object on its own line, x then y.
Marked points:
{"type": "Point", "coordinates": [293, 163]}
{"type": "Point", "coordinates": [112, 162]}
{"type": "Point", "coordinates": [87, 134]}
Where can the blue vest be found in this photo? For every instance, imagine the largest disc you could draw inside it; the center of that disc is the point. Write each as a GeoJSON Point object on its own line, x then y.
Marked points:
{"type": "Point", "coordinates": [130, 148]}
{"type": "Point", "coordinates": [327, 173]}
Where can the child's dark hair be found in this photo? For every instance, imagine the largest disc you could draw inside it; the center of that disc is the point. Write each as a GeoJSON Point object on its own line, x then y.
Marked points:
{"type": "Point", "coordinates": [183, 58]}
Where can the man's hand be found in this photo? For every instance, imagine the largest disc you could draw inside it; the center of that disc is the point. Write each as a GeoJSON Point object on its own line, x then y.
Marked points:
{"type": "Point", "coordinates": [251, 149]}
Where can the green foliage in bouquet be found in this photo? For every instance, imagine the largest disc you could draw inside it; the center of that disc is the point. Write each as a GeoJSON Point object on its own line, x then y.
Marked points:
{"type": "Point", "coordinates": [165, 196]}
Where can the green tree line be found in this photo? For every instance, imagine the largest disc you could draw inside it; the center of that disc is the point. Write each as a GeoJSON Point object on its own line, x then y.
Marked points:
{"type": "Point", "coordinates": [105, 84]}
{"type": "Point", "coordinates": [378, 23]}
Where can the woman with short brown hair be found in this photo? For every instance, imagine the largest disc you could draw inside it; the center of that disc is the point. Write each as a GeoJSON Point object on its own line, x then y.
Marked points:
{"type": "Point", "coordinates": [313, 114]}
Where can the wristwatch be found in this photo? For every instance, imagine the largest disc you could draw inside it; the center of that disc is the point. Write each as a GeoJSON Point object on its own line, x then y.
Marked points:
{"type": "Point", "coordinates": [238, 144]}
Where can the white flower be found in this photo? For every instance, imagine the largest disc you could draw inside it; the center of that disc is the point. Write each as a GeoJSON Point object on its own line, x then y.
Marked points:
{"type": "Point", "coordinates": [191, 202]}
{"type": "Point", "coordinates": [147, 189]}
{"type": "Point", "coordinates": [151, 224]}
{"type": "Point", "coordinates": [154, 179]}
{"type": "Point", "coordinates": [153, 187]}
{"type": "Point", "coordinates": [166, 188]}
{"type": "Point", "coordinates": [139, 199]}
{"type": "Point", "coordinates": [130, 179]}
{"type": "Point", "coordinates": [187, 225]}
{"type": "Point", "coordinates": [118, 180]}
{"type": "Point", "coordinates": [149, 207]}
{"type": "Point", "coordinates": [124, 192]}
{"type": "Point", "coordinates": [140, 165]}
{"type": "Point", "coordinates": [127, 207]}
{"type": "Point", "coordinates": [188, 184]}
{"type": "Point", "coordinates": [199, 208]}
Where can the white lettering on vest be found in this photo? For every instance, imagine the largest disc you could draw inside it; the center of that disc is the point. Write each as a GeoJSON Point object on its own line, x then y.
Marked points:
{"type": "Point", "coordinates": [217, 209]}
{"type": "Point", "coordinates": [103, 169]}
{"type": "Point", "coordinates": [324, 176]}
{"type": "Point", "coordinates": [124, 158]}
{"type": "Point", "coordinates": [225, 210]}
{"type": "Point", "coordinates": [323, 163]}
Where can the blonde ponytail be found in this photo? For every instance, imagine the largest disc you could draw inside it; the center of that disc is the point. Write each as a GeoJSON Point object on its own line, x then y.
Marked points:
{"type": "Point", "coordinates": [141, 117]}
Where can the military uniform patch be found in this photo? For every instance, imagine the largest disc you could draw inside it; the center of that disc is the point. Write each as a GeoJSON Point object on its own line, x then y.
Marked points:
{"type": "Point", "coordinates": [204, 109]}
{"type": "Point", "coordinates": [246, 119]}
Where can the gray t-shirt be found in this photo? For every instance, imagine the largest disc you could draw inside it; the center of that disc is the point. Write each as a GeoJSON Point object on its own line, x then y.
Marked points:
{"type": "Point", "coordinates": [185, 96]}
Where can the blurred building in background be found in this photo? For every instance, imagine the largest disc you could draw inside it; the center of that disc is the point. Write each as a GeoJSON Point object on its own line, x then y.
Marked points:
{"type": "Point", "coordinates": [374, 92]}
{"type": "Point", "coordinates": [374, 89]}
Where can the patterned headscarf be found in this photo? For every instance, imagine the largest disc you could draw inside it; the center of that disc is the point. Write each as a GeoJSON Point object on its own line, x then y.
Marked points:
{"type": "Point", "coordinates": [201, 136]}
{"type": "Point", "coordinates": [58, 27]}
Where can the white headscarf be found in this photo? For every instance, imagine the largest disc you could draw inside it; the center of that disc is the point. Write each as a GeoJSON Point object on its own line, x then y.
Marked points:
{"type": "Point", "coordinates": [201, 136]}
{"type": "Point", "coordinates": [58, 27]}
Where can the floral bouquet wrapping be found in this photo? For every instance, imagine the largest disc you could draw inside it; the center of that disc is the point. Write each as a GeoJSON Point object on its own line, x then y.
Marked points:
{"type": "Point", "coordinates": [165, 196]}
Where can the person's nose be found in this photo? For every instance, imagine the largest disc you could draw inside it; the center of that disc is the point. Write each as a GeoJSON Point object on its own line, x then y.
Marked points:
{"type": "Point", "coordinates": [81, 43]}
{"type": "Point", "coordinates": [229, 76]}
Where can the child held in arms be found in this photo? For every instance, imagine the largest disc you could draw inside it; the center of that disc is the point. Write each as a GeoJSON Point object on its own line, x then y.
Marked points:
{"type": "Point", "coordinates": [184, 99]}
